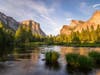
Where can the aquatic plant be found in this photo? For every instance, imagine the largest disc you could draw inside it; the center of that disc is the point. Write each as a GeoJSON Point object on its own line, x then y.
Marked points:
{"type": "Point", "coordinates": [80, 62]}
{"type": "Point", "coordinates": [72, 59]}
{"type": "Point", "coordinates": [51, 57]}
{"type": "Point", "coordinates": [95, 57]}
{"type": "Point", "coordinates": [85, 63]}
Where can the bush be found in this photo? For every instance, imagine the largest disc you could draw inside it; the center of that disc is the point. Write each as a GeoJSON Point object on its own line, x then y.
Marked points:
{"type": "Point", "coordinates": [80, 62]}
{"type": "Point", "coordinates": [85, 63]}
{"type": "Point", "coordinates": [72, 60]}
{"type": "Point", "coordinates": [51, 57]}
{"type": "Point", "coordinates": [95, 56]}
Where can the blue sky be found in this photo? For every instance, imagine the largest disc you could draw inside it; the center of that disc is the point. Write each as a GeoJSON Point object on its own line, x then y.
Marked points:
{"type": "Point", "coordinates": [51, 14]}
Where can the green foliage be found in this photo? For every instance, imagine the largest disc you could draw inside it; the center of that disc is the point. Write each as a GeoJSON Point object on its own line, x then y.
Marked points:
{"type": "Point", "coordinates": [90, 35]}
{"type": "Point", "coordinates": [77, 61]}
{"type": "Point", "coordinates": [51, 57]}
{"type": "Point", "coordinates": [75, 37]}
{"type": "Point", "coordinates": [23, 35]}
{"type": "Point", "coordinates": [72, 59]}
{"type": "Point", "coordinates": [95, 56]}
{"type": "Point", "coordinates": [38, 38]}
{"type": "Point", "coordinates": [6, 35]}
{"type": "Point", "coordinates": [85, 63]}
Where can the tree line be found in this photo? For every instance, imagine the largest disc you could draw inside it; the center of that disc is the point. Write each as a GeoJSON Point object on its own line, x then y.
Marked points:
{"type": "Point", "coordinates": [24, 35]}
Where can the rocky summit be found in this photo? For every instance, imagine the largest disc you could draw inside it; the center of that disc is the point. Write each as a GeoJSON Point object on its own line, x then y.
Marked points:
{"type": "Point", "coordinates": [76, 25]}
{"type": "Point", "coordinates": [13, 25]}
{"type": "Point", "coordinates": [35, 27]}
{"type": "Point", "coordinates": [9, 22]}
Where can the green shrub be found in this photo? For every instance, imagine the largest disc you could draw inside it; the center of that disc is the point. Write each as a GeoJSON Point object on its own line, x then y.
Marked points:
{"type": "Point", "coordinates": [85, 63]}
{"type": "Point", "coordinates": [51, 57]}
{"type": "Point", "coordinates": [72, 59]}
{"type": "Point", "coordinates": [80, 62]}
{"type": "Point", "coordinates": [95, 56]}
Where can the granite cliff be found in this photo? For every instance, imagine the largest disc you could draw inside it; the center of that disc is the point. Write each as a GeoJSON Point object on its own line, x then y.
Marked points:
{"type": "Point", "coordinates": [13, 25]}
{"type": "Point", "coordinates": [76, 25]}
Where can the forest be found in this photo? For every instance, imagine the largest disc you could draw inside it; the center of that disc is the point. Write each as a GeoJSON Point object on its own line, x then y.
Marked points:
{"type": "Point", "coordinates": [24, 35]}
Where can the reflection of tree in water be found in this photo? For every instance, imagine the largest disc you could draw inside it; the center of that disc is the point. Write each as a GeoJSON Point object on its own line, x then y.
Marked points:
{"type": "Point", "coordinates": [74, 71]}
{"type": "Point", "coordinates": [55, 66]}
{"type": "Point", "coordinates": [23, 53]}
{"type": "Point", "coordinates": [4, 51]}
{"type": "Point", "coordinates": [29, 64]}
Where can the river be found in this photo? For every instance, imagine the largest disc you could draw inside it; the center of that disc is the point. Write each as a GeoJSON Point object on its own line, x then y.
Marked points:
{"type": "Point", "coordinates": [22, 61]}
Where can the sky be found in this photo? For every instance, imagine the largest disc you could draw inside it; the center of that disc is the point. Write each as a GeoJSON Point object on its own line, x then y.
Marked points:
{"type": "Point", "coordinates": [51, 14]}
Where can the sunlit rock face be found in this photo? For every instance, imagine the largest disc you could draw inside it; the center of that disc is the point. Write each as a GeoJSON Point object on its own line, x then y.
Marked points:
{"type": "Point", "coordinates": [76, 25]}
{"type": "Point", "coordinates": [95, 18]}
{"type": "Point", "coordinates": [9, 22]}
{"type": "Point", "coordinates": [35, 27]}
{"type": "Point", "coordinates": [65, 30]}
{"type": "Point", "coordinates": [12, 24]}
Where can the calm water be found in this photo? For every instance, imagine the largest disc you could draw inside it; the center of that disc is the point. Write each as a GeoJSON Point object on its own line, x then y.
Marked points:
{"type": "Point", "coordinates": [22, 61]}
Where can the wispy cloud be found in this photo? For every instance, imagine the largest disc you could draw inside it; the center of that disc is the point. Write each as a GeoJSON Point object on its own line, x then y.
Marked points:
{"type": "Point", "coordinates": [96, 5]}
{"type": "Point", "coordinates": [30, 9]}
{"type": "Point", "coordinates": [85, 8]}
{"type": "Point", "coordinates": [49, 19]}
{"type": "Point", "coordinates": [51, 14]}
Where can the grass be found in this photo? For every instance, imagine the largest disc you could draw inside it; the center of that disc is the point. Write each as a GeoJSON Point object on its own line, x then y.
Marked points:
{"type": "Point", "coordinates": [85, 63]}
{"type": "Point", "coordinates": [80, 62]}
{"type": "Point", "coordinates": [82, 44]}
{"type": "Point", "coordinates": [95, 57]}
{"type": "Point", "coordinates": [72, 59]}
{"type": "Point", "coordinates": [60, 43]}
{"type": "Point", "coordinates": [51, 57]}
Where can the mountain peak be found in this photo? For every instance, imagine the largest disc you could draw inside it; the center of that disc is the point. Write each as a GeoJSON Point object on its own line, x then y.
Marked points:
{"type": "Point", "coordinates": [78, 25]}
{"type": "Point", "coordinates": [12, 24]}
{"type": "Point", "coordinates": [76, 22]}
{"type": "Point", "coordinates": [35, 27]}
{"type": "Point", "coordinates": [97, 12]}
{"type": "Point", "coordinates": [9, 22]}
{"type": "Point", "coordinates": [95, 18]}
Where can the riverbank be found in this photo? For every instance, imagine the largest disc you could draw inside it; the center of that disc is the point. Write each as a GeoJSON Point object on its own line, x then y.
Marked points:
{"type": "Point", "coordinates": [63, 44]}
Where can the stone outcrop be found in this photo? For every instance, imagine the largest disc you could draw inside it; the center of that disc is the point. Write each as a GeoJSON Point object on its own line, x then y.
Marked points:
{"type": "Point", "coordinates": [13, 25]}
{"type": "Point", "coordinates": [66, 30]}
{"type": "Point", "coordinates": [76, 25]}
{"type": "Point", "coordinates": [35, 27]}
{"type": "Point", "coordinates": [9, 22]}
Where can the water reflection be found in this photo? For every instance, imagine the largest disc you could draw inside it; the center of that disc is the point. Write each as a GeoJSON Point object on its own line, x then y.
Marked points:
{"type": "Point", "coordinates": [30, 61]}
{"type": "Point", "coordinates": [73, 71]}
{"type": "Point", "coordinates": [55, 67]}
{"type": "Point", "coordinates": [80, 50]}
{"type": "Point", "coordinates": [4, 51]}
{"type": "Point", "coordinates": [35, 56]}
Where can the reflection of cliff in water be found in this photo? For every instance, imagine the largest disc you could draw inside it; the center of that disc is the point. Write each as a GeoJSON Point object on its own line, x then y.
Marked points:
{"type": "Point", "coordinates": [31, 61]}
{"type": "Point", "coordinates": [80, 50]}
{"type": "Point", "coordinates": [35, 56]}
{"type": "Point", "coordinates": [23, 54]}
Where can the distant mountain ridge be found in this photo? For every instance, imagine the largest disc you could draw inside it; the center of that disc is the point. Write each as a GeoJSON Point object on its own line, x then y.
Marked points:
{"type": "Point", "coordinates": [13, 25]}
{"type": "Point", "coordinates": [76, 25]}
{"type": "Point", "coordinates": [9, 22]}
{"type": "Point", "coordinates": [35, 27]}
